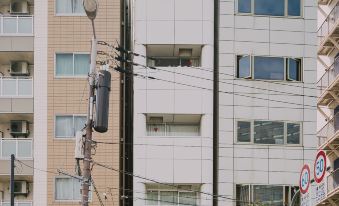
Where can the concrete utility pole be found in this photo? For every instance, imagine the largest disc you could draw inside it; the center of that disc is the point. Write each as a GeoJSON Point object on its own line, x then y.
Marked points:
{"type": "Point", "coordinates": [12, 179]}
{"type": "Point", "coordinates": [91, 7]}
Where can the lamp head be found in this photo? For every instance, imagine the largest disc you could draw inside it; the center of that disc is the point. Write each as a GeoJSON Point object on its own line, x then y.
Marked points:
{"type": "Point", "coordinates": [91, 8]}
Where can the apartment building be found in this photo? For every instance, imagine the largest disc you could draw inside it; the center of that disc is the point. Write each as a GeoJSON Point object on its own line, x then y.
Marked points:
{"type": "Point", "coordinates": [327, 134]}
{"type": "Point", "coordinates": [267, 119]}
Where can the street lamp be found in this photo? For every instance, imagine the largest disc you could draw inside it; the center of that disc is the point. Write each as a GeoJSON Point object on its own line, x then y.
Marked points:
{"type": "Point", "coordinates": [91, 9]}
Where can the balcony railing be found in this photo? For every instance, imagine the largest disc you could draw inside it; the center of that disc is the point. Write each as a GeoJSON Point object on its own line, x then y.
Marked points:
{"type": "Point", "coordinates": [328, 25]}
{"type": "Point", "coordinates": [16, 25]}
{"type": "Point", "coordinates": [328, 77]}
{"type": "Point", "coordinates": [327, 131]}
{"type": "Point", "coordinates": [333, 181]}
{"type": "Point", "coordinates": [16, 87]}
{"type": "Point", "coordinates": [21, 203]}
{"type": "Point", "coordinates": [22, 148]}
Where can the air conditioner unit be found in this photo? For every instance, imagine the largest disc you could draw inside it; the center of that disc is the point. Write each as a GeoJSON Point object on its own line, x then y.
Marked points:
{"type": "Point", "coordinates": [20, 187]}
{"type": "Point", "coordinates": [19, 128]}
{"type": "Point", "coordinates": [19, 7]}
{"type": "Point", "coordinates": [19, 68]}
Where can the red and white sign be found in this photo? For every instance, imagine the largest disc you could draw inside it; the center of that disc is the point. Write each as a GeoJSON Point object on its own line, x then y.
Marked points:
{"type": "Point", "coordinates": [320, 166]}
{"type": "Point", "coordinates": [304, 181]}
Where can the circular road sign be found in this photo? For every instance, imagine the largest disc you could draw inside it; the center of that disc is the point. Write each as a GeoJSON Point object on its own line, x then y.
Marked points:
{"type": "Point", "coordinates": [304, 181]}
{"type": "Point", "coordinates": [320, 166]}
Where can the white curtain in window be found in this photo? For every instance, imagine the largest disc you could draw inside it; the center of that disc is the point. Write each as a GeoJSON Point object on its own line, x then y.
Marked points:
{"type": "Point", "coordinates": [24, 149]}
{"type": "Point", "coordinates": [76, 189]}
{"type": "Point", "coordinates": [9, 25]}
{"type": "Point", "coordinates": [78, 7]}
{"type": "Point", "coordinates": [64, 64]}
{"type": "Point", "coordinates": [79, 123]}
{"type": "Point", "coordinates": [81, 64]}
{"type": "Point", "coordinates": [183, 130]}
{"type": "Point", "coordinates": [64, 126]}
{"type": "Point", "coordinates": [63, 6]}
{"type": "Point", "coordinates": [63, 189]}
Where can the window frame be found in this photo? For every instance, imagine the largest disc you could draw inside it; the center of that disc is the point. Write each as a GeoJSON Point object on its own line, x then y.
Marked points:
{"type": "Point", "coordinates": [286, 68]}
{"type": "Point", "coordinates": [169, 124]}
{"type": "Point", "coordinates": [66, 14]}
{"type": "Point", "coordinates": [251, 142]}
{"type": "Point", "coordinates": [197, 198]}
{"type": "Point", "coordinates": [194, 58]}
{"type": "Point", "coordinates": [285, 11]}
{"type": "Point", "coordinates": [68, 76]}
{"type": "Point", "coordinates": [90, 198]}
{"type": "Point", "coordinates": [64, 115]}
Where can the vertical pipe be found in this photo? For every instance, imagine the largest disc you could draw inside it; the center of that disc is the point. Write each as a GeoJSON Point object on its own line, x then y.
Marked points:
{"type": "Point", "coordinates": [216, 104]}
{"type": "Point", "coordinates": [12, 179]}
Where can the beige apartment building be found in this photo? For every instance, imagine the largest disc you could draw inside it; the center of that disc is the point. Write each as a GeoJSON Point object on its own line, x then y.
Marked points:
{"type": "Point", "coordinates": [44, 64]}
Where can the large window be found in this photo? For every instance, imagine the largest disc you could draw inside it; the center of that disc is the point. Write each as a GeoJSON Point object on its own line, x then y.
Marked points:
{"type": "Point", "coordinates": [269, 68]}
{"type": "Point", "coordinates": [268, 132]}
{"type": "Point", "coordinates": [71, 64]}
{"type": "Point", "coordinates": [168, 129]}
{"type": "Point", "coordinates": [171, 197]}
{"type": "Point", "coordinates": [69, 7]}
{"type": "Point", "coordinates": [270, 7]}
{"type": "Point", "coordinates": [270, 195]}
{"type": "Point", "coordinates": [67, 125]}
{"type": "Point", "coordinates": [173, 62]}
{"type": "Point", "coordinates": [67, 188]}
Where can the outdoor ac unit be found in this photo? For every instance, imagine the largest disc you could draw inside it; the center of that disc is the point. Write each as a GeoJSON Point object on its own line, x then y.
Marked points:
{"type": "Point", "coordinates": [19, 128]}
{"type": "Point", "coordinates": [20, 187]}
{"type": "Point", "coordinates": [19, 68]}
{"type": "Point", "coordinates": [19, 7]}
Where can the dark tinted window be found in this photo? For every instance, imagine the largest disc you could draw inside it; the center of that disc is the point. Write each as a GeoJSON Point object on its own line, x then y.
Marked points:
{"type": "Point", "coordinates": [244, 131]}
{"type": "Point", "coordinates": [269, 7]}
{"type": "Point", "coordinates": [271, 68]}
{"type": "Point", "coordinates": [293, 133]}
{"type": "Point", "coordinates": [294, 8]}
{"type": "Point", "coordinates": [244, 6]}
{"type": "Point", "coordinates": [294, 69]}
{"type": "Point", "coordinates": [244, 66]}
{"type": "Point", "coordinates": [267, 132]}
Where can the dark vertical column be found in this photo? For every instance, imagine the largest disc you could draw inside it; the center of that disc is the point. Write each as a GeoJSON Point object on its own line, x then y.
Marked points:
{"type": "Point", "coordinates": [216, 105]}
{"type": "Point", "coordinates": [12, 179]}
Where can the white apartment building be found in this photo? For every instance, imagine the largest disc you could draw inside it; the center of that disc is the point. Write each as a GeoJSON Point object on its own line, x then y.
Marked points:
{"type": "Point", "coordinates": [267, 100]}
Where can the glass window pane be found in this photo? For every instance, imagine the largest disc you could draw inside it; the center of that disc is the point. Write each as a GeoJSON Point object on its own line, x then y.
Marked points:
{"type": "Point", "coordinates": [269, 7]}
{"type": "Point", "coordinates": [268, 195]}
{"type": "Point", "coordinates": [152, 197]}
{"type": "Point", "coordinates": [155, 129]}
{"type": "Point", "coordinates": [25, 87]}
{"type": "Point", "coordinates": [81, 64]}
{"type": "Point", "coordinates": [9, 87]}
{"type": "Point", "coordinates": [63, 189]}
{"type": "Point", "coordinates": [168, 198]}
{"type": "Point", "coordinates": [79, 122]}
{"type": "Point", "coordinates": [24, 204]}
{"type": "Point", "coordinates": [25, 25]}
{"type": "Point", "coordinates": [187, 198]}
{"type": "Point", "coordinates": [63, 6]}
{"type": "Point", "coordinates": [244, 66]}
{"type": "Point", "coordinates": [64, 126]}
{"type": "Point", "coordinates": [244, 6]}
{"type": "Point", "coordinates": [24, 148]}
{"type": "Point", "coordinates": [294, 7]}
{"type": "Point", "coordinates": [267, 132]}
{"type": "Point", "coordinates": [10, 25]}
{"type": "Point", "coordinates": [167, 62]}
{"type": "Point", "coordinates": [64, 65]}
{"type": "Point", "coordinates": [8, 148]}
{"type": "Point", "coordinates": [243, 195]}
{"type": "Point", "coordinates": [271, 68]}
{"type": "Point", "coordinates": [78, 7]}
{"type": "Point", "coordinates": [76, 189]}
{"type": "Point", "coordinates": [244, 131]}
{"type": "Point", "coordinates": [293, 133]}
{"type": "Point", "coordinates": [183, 130]}
{"type": "Point", "coordinates": [294, 69]}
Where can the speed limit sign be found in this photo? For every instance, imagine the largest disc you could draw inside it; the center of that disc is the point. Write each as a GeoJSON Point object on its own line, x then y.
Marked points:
{"type": "Point", "coordinates": [304, 181]}
{"type": "Point", "coordinates": [320, 166]}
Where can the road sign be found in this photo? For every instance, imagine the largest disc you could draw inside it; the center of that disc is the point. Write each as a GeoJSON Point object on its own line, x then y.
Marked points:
{"type": "Point", "coordinates": [320, 166]}
{"type": "Point", "coordinates": [304, 181]}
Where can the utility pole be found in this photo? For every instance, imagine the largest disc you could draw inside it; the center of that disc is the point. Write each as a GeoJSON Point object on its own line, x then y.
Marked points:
{"type": "Point", "coordinates": [12, 179]}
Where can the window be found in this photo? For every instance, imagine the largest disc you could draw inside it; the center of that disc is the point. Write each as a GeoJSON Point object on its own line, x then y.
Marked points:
{"type": "Point", "coordinates": [169, 129]}
{"type": "Point", "coordinates": [67, 188]}
{"type": "Point", "coordinates": [67, 125]}
{"type": "Point", "coordinates": [273, 195]}
{"type": "Point", "coordinates": [270, 8]}
{"type": "Point", "coordinates": [269, 68]}
{"type": "Point", "coordinates": [173, 62]}
{"type": "Point", "coordinates": [71, 64]}
{"type": "Point", "coordinates": [268, 132]}
{"type": "Point", "coordinates": [171, 197]}
{"type": "Point", "coordinates": [69, 7]}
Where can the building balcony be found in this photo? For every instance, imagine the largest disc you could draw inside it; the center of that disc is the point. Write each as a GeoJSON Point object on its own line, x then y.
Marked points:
{"type": "Point", "coordinates": [332, 197]}
{"type": "Point", "coordinates": [17, 203]}
{"type": "Point", "coordinates": [16, 33]}
{"type": "Point", "coordinates": [16, 94]}
{"type": "Point", "coordinates": [327, 86]}
{"type": "Point", "coordinates": [328, 32]}
{"type": "Point", "coordinates": [328, 136]}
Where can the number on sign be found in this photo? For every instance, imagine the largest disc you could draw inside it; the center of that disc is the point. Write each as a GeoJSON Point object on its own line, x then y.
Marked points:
{"type": "Point", "coordinates": [320, 166]}
{"type": "Point", "coordinates": [304, 181]}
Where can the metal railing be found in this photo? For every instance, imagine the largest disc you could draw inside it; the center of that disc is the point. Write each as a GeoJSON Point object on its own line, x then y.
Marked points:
{"type": "Point", "coordinates": [328, 77]}
{"type": "Point", "coordinates": [333, 181]}
{"type": "Point", "coordinates": [16, 25]}
{"type": "Point", "coordinates": [16, 87]}
{"type": "Point", "coordinates": [327, 131]}
{"type": "Point", "coordinates": [328, 25]}
{"type": "Point", "coordinates": [21, 203]}
{"type": "Point", "coordinates": [22, 148]}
